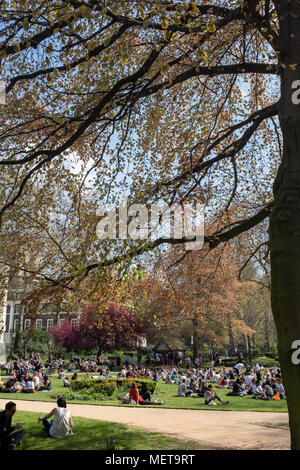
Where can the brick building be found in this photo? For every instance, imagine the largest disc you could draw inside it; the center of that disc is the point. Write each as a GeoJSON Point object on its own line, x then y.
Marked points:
{"type": "Point", "coordinates": [13, 310]}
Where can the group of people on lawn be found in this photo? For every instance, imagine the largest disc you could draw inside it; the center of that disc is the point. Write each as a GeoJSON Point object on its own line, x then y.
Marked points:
{"type": "Point", "coordinates": [195, 382]}
{"type": "Point", "coordinates": [264, 384]}
{"type": "Point", "coordinates": [26, 383]}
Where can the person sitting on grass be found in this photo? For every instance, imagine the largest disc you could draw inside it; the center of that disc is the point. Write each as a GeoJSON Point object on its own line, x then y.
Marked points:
{"type": "Point", "coordinates": [257, 390]}
{"type": "Point", "coordinates": [62, 423]}
{"type": "Point", "coordinates": [36, 380]}
{"type": "Point", "coordinates": [46, 387]}
{"type": "Point", "coordinates": [223, 382]}
{"type": "Point", "coordinates": [182, 388]}
{"type": "Point", "coordinates": [280, 388]}
{"type": "Point", "coordinates": [9, 439]}
{"type": "Point", "coordinates": [174, 376]}
{"type": "Point", "coordinates": [11, 386]}
{"type": "Point", "coordinates": [66, 382]}
{"type": "Point", "coordinates": [134, 395]}
{"type": "Point", "coordinates": [29, 386]}
{"type": "Point", "coordinates": [168, 380]}
{"type": "Point", "coordinates": [74, 376]}
{"type": "Point", "coordinates": [236, 389]}
{"type": "Point", "coordinates": [210, 396]}
{"type": "Point", "coordinates": [269, 391]}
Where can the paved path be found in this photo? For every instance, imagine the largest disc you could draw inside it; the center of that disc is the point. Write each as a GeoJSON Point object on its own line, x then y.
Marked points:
{"type": "Point", "coordinates": [218, 429]}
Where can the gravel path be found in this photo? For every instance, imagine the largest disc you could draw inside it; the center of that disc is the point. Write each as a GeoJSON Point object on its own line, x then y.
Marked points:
{"type": "Point", "coordinates": [218, 429]}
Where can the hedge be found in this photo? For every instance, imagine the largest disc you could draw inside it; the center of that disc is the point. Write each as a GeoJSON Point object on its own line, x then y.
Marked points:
{"type": "Point", "coordinates": [111, 384]}
{"type": "Point", "coordinates": [105, 388]}
{"type": "Point", "coordinates": [266, 361]}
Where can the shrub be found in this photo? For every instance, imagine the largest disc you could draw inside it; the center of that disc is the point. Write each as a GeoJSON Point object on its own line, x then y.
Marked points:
{"type": "Point", "coordinates": [100, 386]}
{"type": "Point", "coordinates": [229, 362]}
{"type": "Point", "coordinates": [76, 385]}
{"type": "Point", "coordinates": [106, 388]}
{"type": "Point", "coordinates": [266, 361]}
{"type": "Point", "coordinates": [142, 384]}
{"type": "Point", "coordinates": [109, 386]}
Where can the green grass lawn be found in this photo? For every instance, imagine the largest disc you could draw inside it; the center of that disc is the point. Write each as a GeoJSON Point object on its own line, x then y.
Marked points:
{"type": "Point", "coordinates": [92, 434]}
{"type": "Point", "coordinates": [163, 392]}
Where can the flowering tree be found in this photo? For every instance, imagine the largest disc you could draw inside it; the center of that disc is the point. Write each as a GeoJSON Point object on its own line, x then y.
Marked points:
{"type": "Point", "coordinates": [105, 327]}
{"type": "Point", "coordinates": [69, 337]}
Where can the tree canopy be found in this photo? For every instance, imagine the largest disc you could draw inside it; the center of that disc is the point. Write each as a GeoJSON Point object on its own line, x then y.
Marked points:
{"type": "Point", "coordinates": [161, 101]}
{"type": "Point", "coordinates": [110, 98]}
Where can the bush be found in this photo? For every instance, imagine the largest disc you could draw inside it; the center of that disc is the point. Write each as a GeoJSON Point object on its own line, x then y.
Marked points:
{"type": "Point", "coordinates": [229, 362]}
{"type": "Point", "coordinates": [106, 388]}
{"type": "Point", "coordinates": [109, 386]}
{"type": "Point", "coordinates": [266, 361]}
{"type": "Point", "coordinates": [100, 386]}
{"type": "Point", "coordinates": [142, 385]}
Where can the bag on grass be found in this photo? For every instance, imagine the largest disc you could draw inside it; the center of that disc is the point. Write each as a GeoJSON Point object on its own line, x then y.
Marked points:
{"type": "Point", "coordinates": [276, 397]}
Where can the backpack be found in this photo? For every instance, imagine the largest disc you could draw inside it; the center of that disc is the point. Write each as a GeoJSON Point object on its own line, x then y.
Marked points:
{"type": "Point", "coordinates": [276, 397]}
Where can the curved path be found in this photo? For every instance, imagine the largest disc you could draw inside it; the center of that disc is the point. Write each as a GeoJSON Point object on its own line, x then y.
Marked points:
{"type": "Point", "coordinates": [218, 429]}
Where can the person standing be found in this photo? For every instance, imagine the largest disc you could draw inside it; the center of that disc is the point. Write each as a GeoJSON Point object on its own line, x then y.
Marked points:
{"type": "Point", "coordinates": [238, 367]}
{"type": "Point", "coordinates": [9, 439]}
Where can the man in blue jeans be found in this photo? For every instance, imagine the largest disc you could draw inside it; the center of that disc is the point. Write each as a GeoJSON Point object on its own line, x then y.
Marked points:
{"type": "Point", "coordinates": [9, 440]}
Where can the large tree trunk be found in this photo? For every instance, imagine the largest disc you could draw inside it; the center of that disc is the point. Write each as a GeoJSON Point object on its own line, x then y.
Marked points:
{"type": "Point", "coordinates": [285, 219]}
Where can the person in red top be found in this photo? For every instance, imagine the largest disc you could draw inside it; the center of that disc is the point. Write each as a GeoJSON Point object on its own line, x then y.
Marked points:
{"type": "Point", "coordinates": [134, 394]}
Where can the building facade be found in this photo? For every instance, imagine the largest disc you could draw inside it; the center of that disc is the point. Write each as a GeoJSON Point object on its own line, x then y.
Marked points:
{"type": "Point", "coordinates": [14, 315]}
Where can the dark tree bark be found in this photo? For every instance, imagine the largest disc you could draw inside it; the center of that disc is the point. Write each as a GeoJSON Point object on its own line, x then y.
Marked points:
{"type": "Point", "coordinates": [285, 217]}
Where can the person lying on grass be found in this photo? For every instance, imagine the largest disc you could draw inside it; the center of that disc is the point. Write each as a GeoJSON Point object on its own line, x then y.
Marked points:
{"type": "Point", "coordinates": [210, 396]}
{"type": "Point", "coordinates": [62, 423]}
{"type": "Point", "coordinates": [134, 397]}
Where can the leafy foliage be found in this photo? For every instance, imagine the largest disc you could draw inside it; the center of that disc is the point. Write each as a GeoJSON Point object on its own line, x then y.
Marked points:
{"type": "Point", "coordinates": [106, 327]}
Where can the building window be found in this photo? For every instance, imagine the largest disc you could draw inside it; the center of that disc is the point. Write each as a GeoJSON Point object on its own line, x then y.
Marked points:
{"type": "Point", "coordinates": [60, 322]}
{"type": "Point", "coordinates": [39, 324]}
{"type": "Point", "coordinates": [16, 322]}
{"type": "Point", "coordinates": [7, 323]}
{"type": "Point", "coordinates": [27, 324]}
{"type": "Point", "coordinates": [74, 322]}
{"type": "Point", "coordinates": [17, 308]}
{"type": "Point", "coordinates": [49, 323]}
{"type": "Point", "coordinates": [8, 309]}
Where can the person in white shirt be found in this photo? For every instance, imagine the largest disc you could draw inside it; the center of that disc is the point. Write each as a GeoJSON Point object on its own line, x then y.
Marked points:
{"type": "Point", "coordinates": [36, 380]}
{"type": "Point", "coordinates": [217, 377]}
{"type": "Point", "coordinates": [248, 379]}
{"type": "Point", "coordinates": [29, 384]}
{"type": "Point", "coordinates": [62, 423]}
{"type": "Point", "coordinates": [238, 367]}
